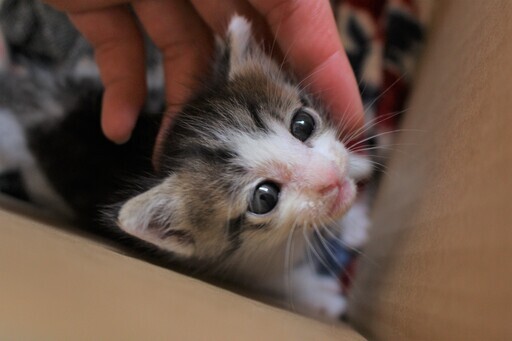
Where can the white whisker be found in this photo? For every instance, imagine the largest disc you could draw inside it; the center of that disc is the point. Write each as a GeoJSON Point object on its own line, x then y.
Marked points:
{"type": "Point", "coordinates": [372, 123]}
{"type": "Point", "coordinates": [288, 265]}
{"type": "Point", "coordinates": [378, 135]}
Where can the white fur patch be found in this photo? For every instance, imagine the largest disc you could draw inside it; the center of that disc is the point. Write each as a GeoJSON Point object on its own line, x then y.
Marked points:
{"type": "Point", "coordinates": [310, 175]}
{"type": "Point", "coordinates": [355, 225]}
{"type": "Point", "coordinates": [280, 147]}
{"type": "Point", "coordinates": [329, 147]}
{"type": "Point", "coordinates": [359, 167]}
{"type": "Point", "coordinates": [316, 295]}
{"type": "Point", "coordinates": [263, 151]}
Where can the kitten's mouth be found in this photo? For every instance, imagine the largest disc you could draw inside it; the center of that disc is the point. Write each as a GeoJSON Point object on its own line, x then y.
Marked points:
{"type": "Point", "coordinates": [343, 196]}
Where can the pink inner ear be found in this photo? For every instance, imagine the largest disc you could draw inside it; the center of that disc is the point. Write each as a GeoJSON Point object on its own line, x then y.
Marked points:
{"type": "Point", "coordinates": [323, 177]}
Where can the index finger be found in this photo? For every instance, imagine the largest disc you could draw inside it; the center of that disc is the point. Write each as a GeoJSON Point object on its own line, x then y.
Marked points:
{"type": "Point", "coordinates": [306, 33]}
{"type": "Point", "coordinates": [119, 52]}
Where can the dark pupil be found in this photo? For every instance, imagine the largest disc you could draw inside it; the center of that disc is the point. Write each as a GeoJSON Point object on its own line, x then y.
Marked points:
{"type": "Point", "coordinates": [302, 126]}
{"type": "Point", "coordinates": [264, 198]}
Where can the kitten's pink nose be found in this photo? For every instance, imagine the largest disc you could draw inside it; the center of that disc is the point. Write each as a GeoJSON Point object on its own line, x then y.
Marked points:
{"type": "Point", "coordinates": [324, 176]}
{"type": "Point", "coordinates": [328, 183]}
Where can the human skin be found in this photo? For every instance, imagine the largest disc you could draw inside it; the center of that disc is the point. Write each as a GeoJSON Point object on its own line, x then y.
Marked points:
{"type": "Point", "coordinates": [183, 30]}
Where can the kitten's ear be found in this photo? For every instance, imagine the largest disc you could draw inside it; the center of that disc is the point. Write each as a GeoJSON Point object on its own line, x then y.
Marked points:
{"type": "Point", "coordinates": [154, 216]}
{"type": "Point", "coordinates": [240, 46]}
{"type": "Point", "coordinates": [240, 39]}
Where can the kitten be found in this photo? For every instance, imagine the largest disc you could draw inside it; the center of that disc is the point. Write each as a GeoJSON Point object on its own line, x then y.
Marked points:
{"type": "Point", "coordinates": [252, 168]}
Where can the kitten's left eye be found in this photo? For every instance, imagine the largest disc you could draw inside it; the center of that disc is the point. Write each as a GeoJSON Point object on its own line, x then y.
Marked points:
{"type": "Point", "coordinates": [302, 125]}
{"type": "Point", "coordinates": [264, 198]}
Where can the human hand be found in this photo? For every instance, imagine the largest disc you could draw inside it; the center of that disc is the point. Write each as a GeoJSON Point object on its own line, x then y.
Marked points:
{"type": "Point", "coordinates": [183, 30]}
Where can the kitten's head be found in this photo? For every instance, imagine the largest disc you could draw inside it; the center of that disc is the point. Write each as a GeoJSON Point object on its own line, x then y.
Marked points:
{"type": "Point", "coordinates": [246, 161]}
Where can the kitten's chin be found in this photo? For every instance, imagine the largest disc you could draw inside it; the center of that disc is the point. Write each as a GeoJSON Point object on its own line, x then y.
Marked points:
{"type": "Point", "coordinates": [342, 199]}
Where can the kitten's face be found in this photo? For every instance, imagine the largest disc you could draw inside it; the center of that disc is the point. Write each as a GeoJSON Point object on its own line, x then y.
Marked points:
{"type": "Point", "coordinates": [246, 162]}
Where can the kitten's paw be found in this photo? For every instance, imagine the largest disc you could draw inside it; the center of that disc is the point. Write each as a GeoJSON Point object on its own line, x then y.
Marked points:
{"type": "Point", "coordinates": [359, 167]}
{"type": "Point", "coordinates": [315, 295]}
{"type": "Point", "coordinates": [355, 226]}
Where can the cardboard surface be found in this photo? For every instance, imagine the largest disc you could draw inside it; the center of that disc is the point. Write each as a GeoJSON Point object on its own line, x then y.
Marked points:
{"type": "Point", "coordinates": [439, 263]}
{"type": "Point", "coordinates": [56, 285]}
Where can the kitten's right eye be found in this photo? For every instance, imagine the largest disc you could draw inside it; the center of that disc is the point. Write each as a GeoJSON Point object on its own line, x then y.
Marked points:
{"type": "Point", "coordinates": [264, 198]}
{"type": "Point", "coordinates": [302, 125]}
